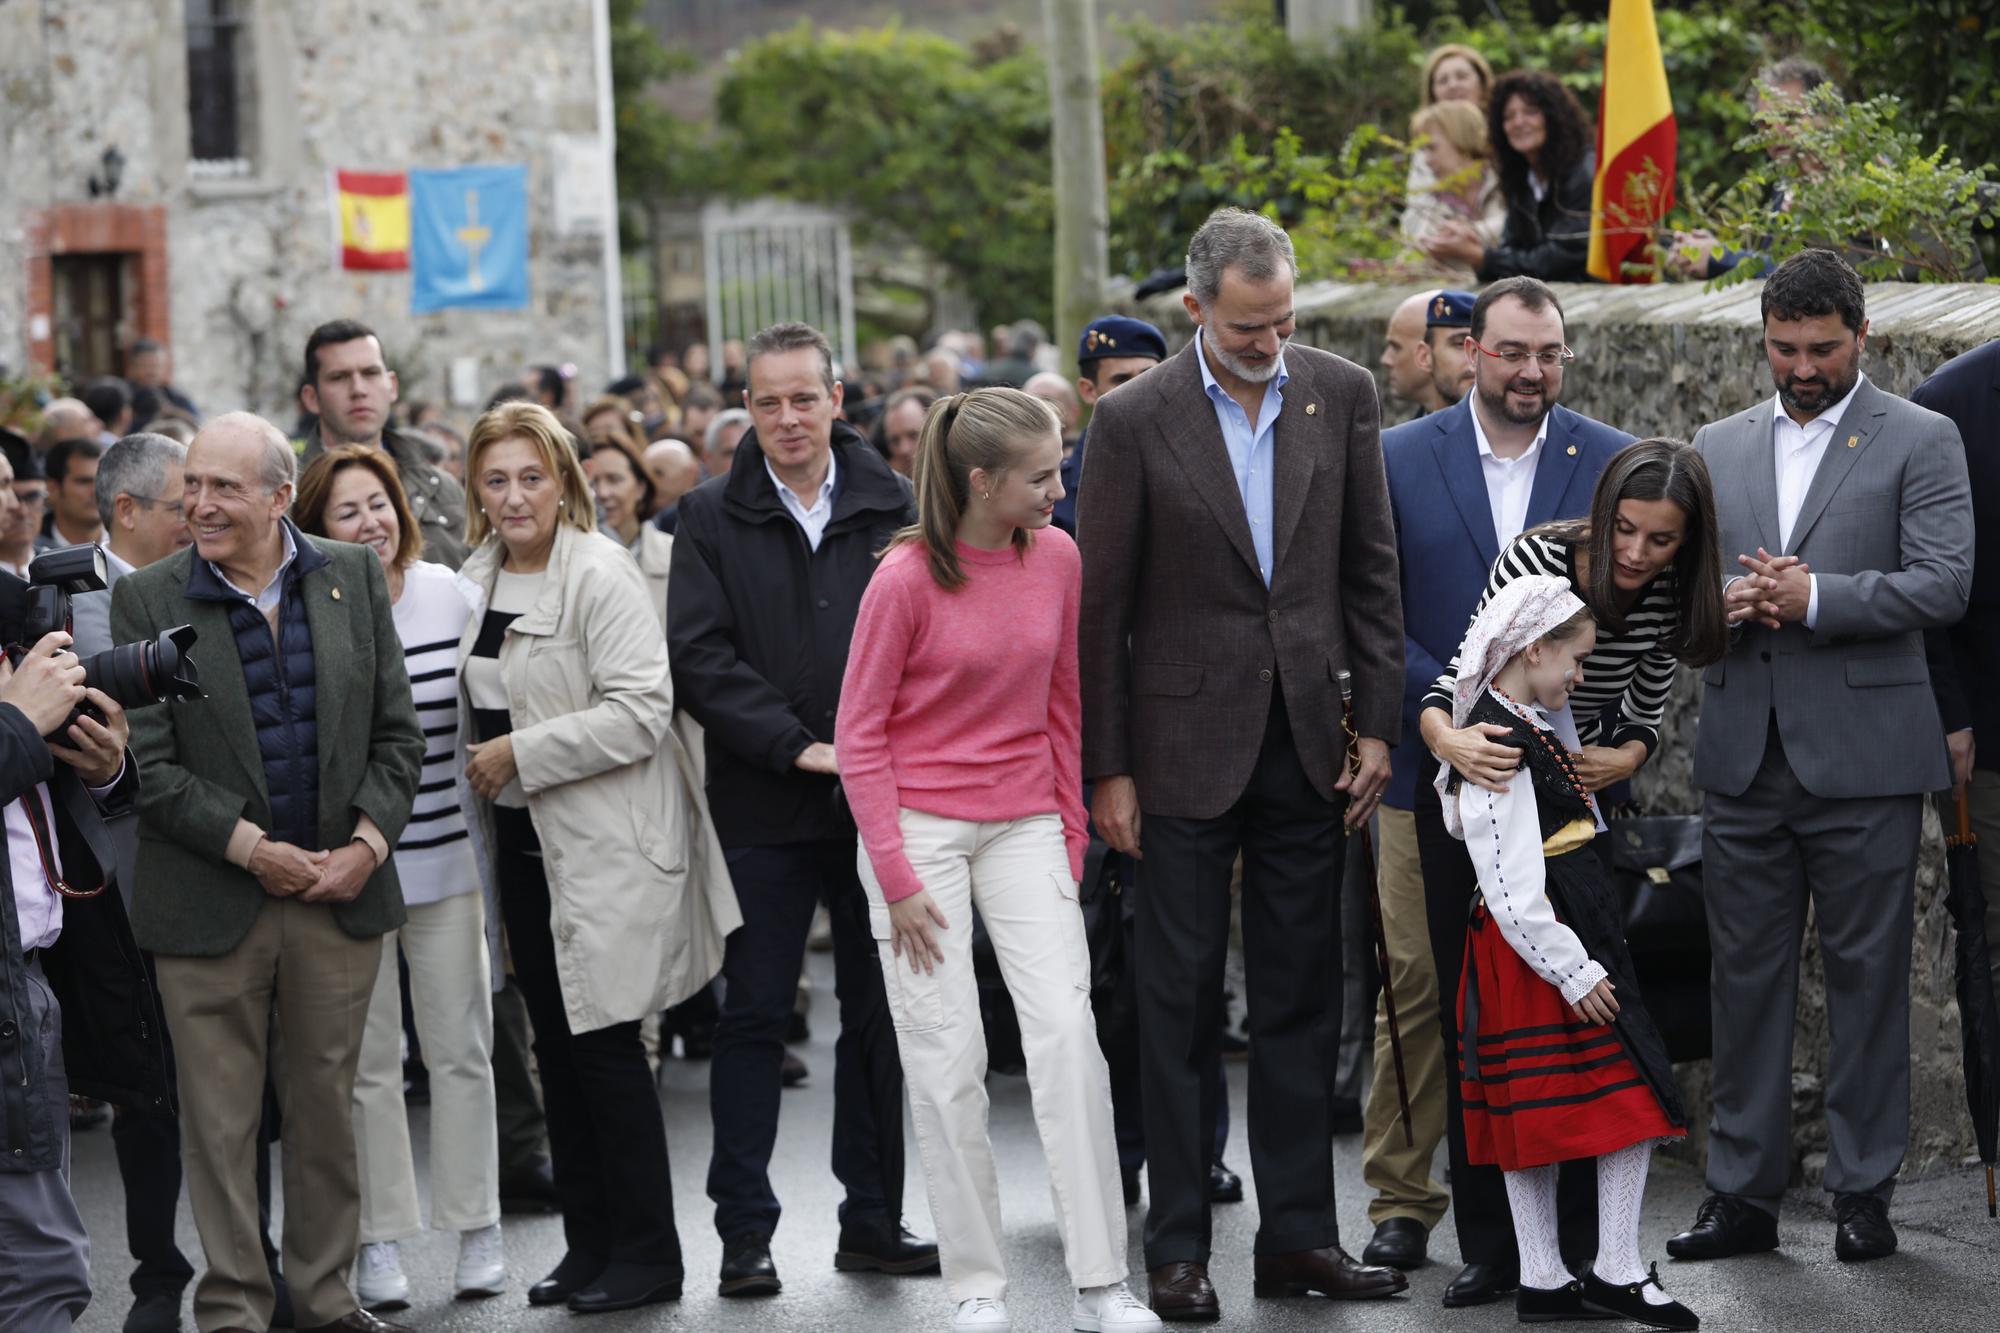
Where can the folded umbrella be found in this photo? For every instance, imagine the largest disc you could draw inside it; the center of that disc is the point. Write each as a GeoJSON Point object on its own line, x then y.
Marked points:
{"type": "Point", "coordinates": [1978, 1018]}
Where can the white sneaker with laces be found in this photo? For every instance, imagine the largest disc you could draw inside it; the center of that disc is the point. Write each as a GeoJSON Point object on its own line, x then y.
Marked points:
{"type": "Point", "coordinates": [482, 1266]}
{"type": "Point", "coordinates": [379, 1283]}
{"type": "Point", "coordinates": [980, 1315]}
{"type": "Point", "coordinates": [1112, 1308]}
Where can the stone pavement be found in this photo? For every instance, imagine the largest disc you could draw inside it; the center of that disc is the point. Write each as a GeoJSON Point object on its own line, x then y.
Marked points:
{"type": "Point", "coordinates": [1945, 1280]}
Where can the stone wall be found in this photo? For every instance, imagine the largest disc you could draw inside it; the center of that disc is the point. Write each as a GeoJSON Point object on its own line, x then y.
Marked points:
{"type": "Point", "coordinates": [356, 83]}
{"type": "Point", "coordinates": [1666, 361]}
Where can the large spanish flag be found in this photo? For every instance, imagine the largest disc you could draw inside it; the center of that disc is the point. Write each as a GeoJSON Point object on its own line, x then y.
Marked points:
{"type": "Point", "coordinates": [374, 214]}
{"type": "Point", "coordinates": [1635, 143]}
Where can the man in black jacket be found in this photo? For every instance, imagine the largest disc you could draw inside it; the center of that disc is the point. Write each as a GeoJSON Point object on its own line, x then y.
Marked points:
{"type": "Point", "coordinates": [769, 564]}
{"type": "Point", "coordinates": [65, 947]}
{"type": "Point", "coordinates": [1965, 659]}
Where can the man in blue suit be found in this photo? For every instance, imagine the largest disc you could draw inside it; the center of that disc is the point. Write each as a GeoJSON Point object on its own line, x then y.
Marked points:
{"type": "Point", "coordinates": [1462, 484]}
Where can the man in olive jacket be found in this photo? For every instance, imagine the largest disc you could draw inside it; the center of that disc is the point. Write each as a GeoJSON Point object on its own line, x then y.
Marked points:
{"type": "Point", "coordinates": [268, 810]}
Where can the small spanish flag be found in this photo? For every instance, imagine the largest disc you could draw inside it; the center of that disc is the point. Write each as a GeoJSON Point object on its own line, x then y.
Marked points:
{"type": "Point", "coordinates": [374, 216]}
{"type": "Point", "coordinates": [1635, 143]}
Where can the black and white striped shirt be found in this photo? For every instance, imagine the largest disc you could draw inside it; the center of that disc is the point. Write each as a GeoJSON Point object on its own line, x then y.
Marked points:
{"type": "Point", "coordinates": [1628, 675]}
{"type": "Point", "coordinates": [434, 859]}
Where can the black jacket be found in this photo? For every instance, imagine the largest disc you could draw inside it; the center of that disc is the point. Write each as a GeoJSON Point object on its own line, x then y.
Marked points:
{"type": "Point", "coordinates": [1965, 659]}
{"type": "Point", "coordinates": [111, 1031]}
{"type": "Point", "coordinates": [758, 625]}
{"type": "Point", "coordinates": [1547, 238]}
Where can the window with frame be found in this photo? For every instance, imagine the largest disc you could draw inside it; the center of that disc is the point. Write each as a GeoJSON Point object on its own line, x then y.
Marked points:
{"type": "Point", "coordinates": [220, 88]}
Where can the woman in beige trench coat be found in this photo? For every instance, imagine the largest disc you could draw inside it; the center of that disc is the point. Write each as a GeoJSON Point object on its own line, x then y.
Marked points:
{"type": "Point", "coordinates": [609, 878]}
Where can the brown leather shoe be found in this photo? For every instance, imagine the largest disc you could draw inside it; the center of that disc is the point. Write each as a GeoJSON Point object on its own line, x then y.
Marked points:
{"type": "Point", "coordinates": [359, 1322]}
{"type": "Point", "coordinates": [1181, 1293]}
{"type": "Point", "coordinates": [1331, 1272]}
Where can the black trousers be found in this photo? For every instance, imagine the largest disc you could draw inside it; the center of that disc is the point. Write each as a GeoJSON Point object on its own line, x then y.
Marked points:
{"type": "Point", "coordinates": [607, 1138]}
{"type": "Point", "coordinates": [1478, 1193]}
{"type": "Point", "coordinates": [778, 888]}
{"type": "Point", "coordinates": [517, 1099]}
{"type": "Point", "coordinates": [148, 1147]}
{"type": "Point", "coordinates": [1290, 841]}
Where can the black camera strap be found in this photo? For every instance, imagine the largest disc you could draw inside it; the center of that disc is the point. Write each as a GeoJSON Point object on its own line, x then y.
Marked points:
{"type": "Point", "coordinates": [37, 821]}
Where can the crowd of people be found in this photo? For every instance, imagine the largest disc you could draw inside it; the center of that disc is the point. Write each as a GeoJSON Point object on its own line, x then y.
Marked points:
{"type": "Point", "coordinates": [529, 748]}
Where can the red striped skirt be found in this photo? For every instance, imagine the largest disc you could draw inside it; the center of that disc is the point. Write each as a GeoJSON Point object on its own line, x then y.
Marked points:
{"type": "Point", "coordinates": [1541, 1086]}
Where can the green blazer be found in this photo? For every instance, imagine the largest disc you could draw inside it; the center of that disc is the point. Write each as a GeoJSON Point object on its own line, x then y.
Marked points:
{"type": "Point", "coordinates": [200, 768]}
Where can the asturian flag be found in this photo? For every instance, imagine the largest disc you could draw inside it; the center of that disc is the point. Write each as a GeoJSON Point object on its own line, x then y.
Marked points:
{"type": "Point", "coordinates": [372, 209]}
{"type": "Point", "coordinates": [1635, 128]}
{"type": "Point", "coordinates": [469, 239]}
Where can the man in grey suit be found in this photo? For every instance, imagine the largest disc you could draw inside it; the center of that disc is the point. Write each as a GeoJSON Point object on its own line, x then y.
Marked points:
{"type": "Point", "coordinates": [139, 503]}
{"type": "Point", "coordinates": [1852, 519]}
{"type": "Point", "coordinates": [1238, 558]}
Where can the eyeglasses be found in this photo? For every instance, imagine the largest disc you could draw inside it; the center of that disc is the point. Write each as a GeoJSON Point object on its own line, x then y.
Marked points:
{"type": "Point", "coordinates": [1548, 358]}
{"type": "Point", "coordinates": [177, 508]}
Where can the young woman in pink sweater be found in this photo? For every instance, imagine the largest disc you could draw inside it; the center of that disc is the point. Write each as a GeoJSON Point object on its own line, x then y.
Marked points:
{"type": "Point", "coordinates": [960, 752]}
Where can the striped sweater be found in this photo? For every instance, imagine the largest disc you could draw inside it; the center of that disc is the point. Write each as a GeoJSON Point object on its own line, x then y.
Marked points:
{"type": "Point", "coordinates": [1628, 675]}
{"type": "Point", "coordinates": [434, 859]}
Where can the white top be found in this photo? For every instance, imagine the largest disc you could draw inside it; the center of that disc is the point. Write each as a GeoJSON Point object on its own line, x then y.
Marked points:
{"type": "Point", "coordinates": [434, 859]}
{"type": "Point", "coordinates": [1796, 452]}
{"type": "Point", "coordinates": [813, 520]}
{"type": "Point", "coordinates": [1503, 835]}
{"type": "Point", "coordinates": [1509, 481]}
{"type": "Point", "coordinates": [36, 905]}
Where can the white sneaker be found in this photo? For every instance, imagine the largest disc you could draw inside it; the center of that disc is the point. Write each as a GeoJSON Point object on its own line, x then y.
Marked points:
{"type": "Point", "coordinates": [1101, 1309]}
{"type": "Point", "coordinates": [379, 1283]}
{"type": "Point", "coordinates": [980, 1315]}
{"type": "Point", "coordinates": [482, 1266]}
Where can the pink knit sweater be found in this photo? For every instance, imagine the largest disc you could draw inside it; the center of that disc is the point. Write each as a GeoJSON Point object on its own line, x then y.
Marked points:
{"type": "Point", "coordinates": [964, 704]}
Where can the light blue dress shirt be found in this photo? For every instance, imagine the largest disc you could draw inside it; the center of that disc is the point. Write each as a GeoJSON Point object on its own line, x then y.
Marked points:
{"type": "Point", "coordinates": [1250, 449]}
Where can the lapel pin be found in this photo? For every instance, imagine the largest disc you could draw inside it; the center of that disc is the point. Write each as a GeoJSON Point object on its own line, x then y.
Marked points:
{"type": "Point", "coordinates": [1853, 440]}
{"type": "Point", "coordinates": [1571, 451]}
{"type": "Point", "coordinates": [336, 594]}
{"type": "Point", "coordinates": [1311, 408]}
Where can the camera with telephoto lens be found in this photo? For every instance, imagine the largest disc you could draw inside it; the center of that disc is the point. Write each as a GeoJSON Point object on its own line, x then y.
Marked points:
{"type": "Point", "coordinates": [137, 675]}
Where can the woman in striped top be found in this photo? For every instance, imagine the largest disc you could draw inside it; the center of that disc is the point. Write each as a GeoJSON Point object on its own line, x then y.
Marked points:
{"type": "Point", "coordinates": [355, 494]}
{"type": "Point", "coordinates": [1647, 564]}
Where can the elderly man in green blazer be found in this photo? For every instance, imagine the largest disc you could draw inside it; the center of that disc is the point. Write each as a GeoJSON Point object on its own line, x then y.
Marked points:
{"type": "Point", "coordinates": [268, 810]}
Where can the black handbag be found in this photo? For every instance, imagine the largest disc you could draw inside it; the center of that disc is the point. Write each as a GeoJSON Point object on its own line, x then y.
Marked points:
{"type": "Point", "coordinates": [1655, 863]}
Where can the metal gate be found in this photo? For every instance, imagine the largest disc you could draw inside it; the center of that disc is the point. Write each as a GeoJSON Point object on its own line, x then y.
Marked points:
{"type": "Point", "coordinates": [772, 260]}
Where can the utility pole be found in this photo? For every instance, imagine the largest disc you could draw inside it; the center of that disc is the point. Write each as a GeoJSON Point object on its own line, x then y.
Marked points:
{"type": "Point", "coordinates": [1083, 216]}
{"type": "Point", "coordinates": [1320, 22]}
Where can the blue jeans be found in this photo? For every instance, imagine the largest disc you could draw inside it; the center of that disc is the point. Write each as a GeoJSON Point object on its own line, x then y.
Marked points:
{"type": "Point", "coordinates": [778, 887]}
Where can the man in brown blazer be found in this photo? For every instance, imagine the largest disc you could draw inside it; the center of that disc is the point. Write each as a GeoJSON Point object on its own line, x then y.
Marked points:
{"type": "Point", "coordinates": [1238, 555]}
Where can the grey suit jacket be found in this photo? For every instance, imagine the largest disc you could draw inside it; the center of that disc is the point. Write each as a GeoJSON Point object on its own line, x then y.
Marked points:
{"type": "Point", "coordinates": [1181, 642]}
{"type": "Point", "coordinates": [1886, 526]}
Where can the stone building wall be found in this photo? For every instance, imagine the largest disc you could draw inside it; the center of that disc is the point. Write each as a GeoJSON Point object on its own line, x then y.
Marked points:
{"type": "Point", "coordinates": [251, 262]}
{"type": "Point", "coordinates": [1666, 361]}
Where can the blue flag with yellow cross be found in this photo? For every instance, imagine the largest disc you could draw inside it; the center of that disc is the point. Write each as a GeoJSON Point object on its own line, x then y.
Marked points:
{"type": "Point", "coordinates": [469, 238]}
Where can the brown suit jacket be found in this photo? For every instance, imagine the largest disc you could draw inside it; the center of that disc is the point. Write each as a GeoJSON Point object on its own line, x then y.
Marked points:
{"type": "Point", "coordinates": [1181, 642]}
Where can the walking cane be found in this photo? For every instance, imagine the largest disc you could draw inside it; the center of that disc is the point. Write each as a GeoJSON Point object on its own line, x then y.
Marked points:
{"type": "Point", "coordinates": [1375, 903]}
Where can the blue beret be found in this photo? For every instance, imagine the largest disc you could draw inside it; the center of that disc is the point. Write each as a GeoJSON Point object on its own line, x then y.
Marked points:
{"type": "Point", "coordinates": [1120, 335]}
{"type": "Point", "coordinates": [1449, 310]}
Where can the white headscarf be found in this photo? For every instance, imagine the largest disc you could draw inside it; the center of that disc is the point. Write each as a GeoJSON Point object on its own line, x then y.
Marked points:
{"type": "Point", "coordinates": [1512, 619]}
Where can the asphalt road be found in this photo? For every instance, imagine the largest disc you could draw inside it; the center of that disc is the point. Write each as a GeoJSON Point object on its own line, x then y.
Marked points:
{"type": "Point", "coordinates": [1946, 1279]}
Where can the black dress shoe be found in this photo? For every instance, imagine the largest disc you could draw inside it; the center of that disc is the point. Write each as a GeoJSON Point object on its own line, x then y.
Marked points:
{"type": "Point", "coordinates": [1724, 1226]}
{"type": "Point", "coordinates": [1224, 1185]}
{"type": "Point", "coordinates": [883, 1245]}
{"type": "Point", "coordinates": [573, 1274]}
{"type": "Point", "coordinates": [1535, 1305]}
{"type": "Point", "coordinates": [1863, 1231]}
{"type": "Point", "coordinates": [1628, 1301]}
{"type": "Point", "coordinates": [792, 1071]}
{"type": "Point", "coordinates": [627, 1287]}
{"type": "Point", "coordinates": [1481, 1284]}
{"type": "Point", "coordinates": [1128, 1176]}
{"type": "Point", "coordinates": [155, 1312]}
{"type": "Point", "coordinates": [1400, 1242]}
{"type": "Point", "coordinates": [1180, 1293]}
{"type": "Point", "coordinates": [1331, 1272]}
{"type": "Point", "coordinates": [747, 1269]}
{"type": "Point", "coordinates": [531, 1190]}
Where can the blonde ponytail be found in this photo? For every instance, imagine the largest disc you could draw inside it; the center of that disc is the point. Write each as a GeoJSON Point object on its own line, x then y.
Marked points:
{"type": "Point", "coordinates": [984, 429]}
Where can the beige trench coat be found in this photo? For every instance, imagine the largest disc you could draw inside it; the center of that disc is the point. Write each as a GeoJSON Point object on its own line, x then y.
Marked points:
{"type": "Point", "coordinates": [640, 898]}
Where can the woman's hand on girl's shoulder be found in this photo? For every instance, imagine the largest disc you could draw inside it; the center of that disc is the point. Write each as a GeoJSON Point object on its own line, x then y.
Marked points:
{"type": "Point", "coordinates": [910, 922]}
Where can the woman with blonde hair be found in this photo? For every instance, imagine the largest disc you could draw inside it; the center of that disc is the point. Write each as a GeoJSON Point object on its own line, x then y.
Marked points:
{"type": "Point", "coordinates": [610, 880]}
{"type": "Point", "coordinates": [1452, 73]}
{"type": "Point", "coordinates": [964, 669]}
{"type": "Point", "coordinates": [1451, 140]}
{"type": "Point", "coordinates": [354, 493]}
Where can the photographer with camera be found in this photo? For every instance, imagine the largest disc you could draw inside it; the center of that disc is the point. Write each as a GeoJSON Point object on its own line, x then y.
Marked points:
{"type": "Point", "coordinates": [65, 945]}
{"type": "Point", "coordinates": [265, 884]}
